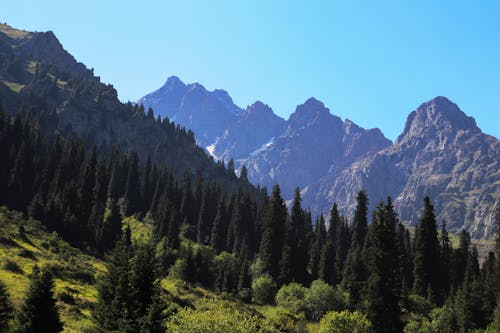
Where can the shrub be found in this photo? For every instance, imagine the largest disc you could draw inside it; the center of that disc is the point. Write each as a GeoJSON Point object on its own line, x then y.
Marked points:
{"type": "Point", "coordinates": [216, 319]}
{"type": "Point", "coordinates": [291, 297]}
{"type": "Point", "coordinates": [420, 305]}
{"type": "Point", "coordinates": [344, 322]}
{"type": "Point", "coordinates": [263, 290]}
{"type": "Point", "coordinates": [12, 266]}
{"type": "Point", "coordinates": [321, 298]}
{"type": "Point", "coordinates": [25, 253]}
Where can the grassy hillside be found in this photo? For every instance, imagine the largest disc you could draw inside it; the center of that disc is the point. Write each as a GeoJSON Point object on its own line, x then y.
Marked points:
{"type": "Point", "coordinates": [74, 271]}
{"type": "Point", "coordinates": [25, 243]}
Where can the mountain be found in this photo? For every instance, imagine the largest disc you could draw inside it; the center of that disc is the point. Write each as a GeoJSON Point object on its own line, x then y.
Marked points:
{"type": "Point", "coordinates": [38, 77]}
{"type": "Point", "coordinates": [255, 127]}
{"type": "Point", "coordinates": [314, 143]}
{"type": "Point", "coordinates": [441, 153]}
{"type": "Point", "coordinates": [206, 113]}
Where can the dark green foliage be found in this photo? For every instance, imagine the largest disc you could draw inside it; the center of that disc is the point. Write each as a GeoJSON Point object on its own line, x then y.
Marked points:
{"type": "Point", "coordinates": [426, 262]}
{"type": "Point", "coordinates": [360, 221]}
{"type": "Point", "coordinates": [6, 308]}
{"type": "Point", "coordinates": [354, 275]}
{"type": "Point", "coordinates": [316, 247]}
{"type": "Point", "coordinates": [384, 283]}
{"type": "Point", "coordinates": [327, 264]}
{"type": "Point", "coordinates": [38, 313]}
{"type": "Point", "coordinates": [272, 235]}
{"type": "Point", "coordinates": [299, 240]}
{"type": "Point", "coordinates": [129, 297]}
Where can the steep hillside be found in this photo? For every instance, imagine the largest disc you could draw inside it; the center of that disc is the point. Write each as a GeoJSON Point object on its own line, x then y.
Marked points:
{"type": "Point", "coordinates": [37, 76]}
{"type": "Point", "coordinates": [25, 243]}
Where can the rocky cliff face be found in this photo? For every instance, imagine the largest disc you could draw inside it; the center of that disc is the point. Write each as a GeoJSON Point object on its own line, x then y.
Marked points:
{"type": "Point", "coordinates": [441, 153]}
{"type": "Point", "coordinates": [255, 127]}
{"type": "Point", "coordinates": [206, 113]}
{"type": "Point", "coordinates": [314, 143]}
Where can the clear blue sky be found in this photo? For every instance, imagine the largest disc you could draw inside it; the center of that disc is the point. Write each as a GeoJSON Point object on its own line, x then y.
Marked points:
{"type": "Point", "coordinates": [370, 61]}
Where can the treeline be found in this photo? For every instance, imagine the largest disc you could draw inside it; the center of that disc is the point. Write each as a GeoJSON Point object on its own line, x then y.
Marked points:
{"type": "Point", "coordinates": [244, 243]}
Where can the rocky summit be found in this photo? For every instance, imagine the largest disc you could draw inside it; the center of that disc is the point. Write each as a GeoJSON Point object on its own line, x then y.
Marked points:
{"type": "Point", "coordinates": [441, 153]}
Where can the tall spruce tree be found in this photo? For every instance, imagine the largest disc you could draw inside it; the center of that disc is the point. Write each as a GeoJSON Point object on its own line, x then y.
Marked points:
{"type": "Point", "coordinates": [426, 262]}
{"type": "Point", "coordinates": [354, 273]}
{"type": "Point", "coordinates": [384, 283]}
{"type": "Point", "coordinates": [299, 241]}
{"type": "Point", "coordinates": [327, 263]}
{"type": "Point", "coordinates": [38, 313]}
{"type": "Point", "coordinates": [271, 245]}
{"type": "Point", "coordinates": [316, 247]}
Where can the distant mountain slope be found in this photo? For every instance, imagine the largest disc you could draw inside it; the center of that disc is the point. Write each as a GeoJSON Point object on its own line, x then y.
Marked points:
{"type": "Point", "coordinates": [207, 113]}
{"type": "Point", "coordinates": [38, 76]}
{"type": "Point", "coordinates": [314, 144]}
{"type": "Point", "coordinates": [441, 153]}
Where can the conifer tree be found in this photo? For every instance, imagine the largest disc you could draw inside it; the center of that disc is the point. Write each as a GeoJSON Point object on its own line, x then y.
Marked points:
{"type": "Point", "coordinates": [132, 187]}
{"type": "Point", "coordinates": [354, 273]}
{"type": "Point", "coordinates": [6, 308]}
{"type": "Point", "coordinates": [217, 238]}
{"type": "Point", "coordinates": [38, 313]}
{"type": "Point", "coordinates": [384, 284]}
{"type": "Point", "coordinates": [286, 273]}
{"type": "Point", "coordinates": [327, 263]}
{"type": "Point", "coordinates": [426, 269]}
{"type": "Point", "coordinates": [445, 257]}
{"type": "Point", "coordinates": [113, 311]}
{"type": "Point", "coordinates": [299, 241]}
{"type": "Point", "coordinates": [360, 221]}
{"type": "Point", "coordinates": [317, 246]}
{"type": "Point", "coordinates": [271, 245]}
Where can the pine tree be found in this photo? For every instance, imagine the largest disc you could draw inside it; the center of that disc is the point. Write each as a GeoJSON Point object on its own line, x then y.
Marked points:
{"type": "Point", "coordinates": [445, 257]}
{"type": "Point", "coordinates": [354, 275]}
{"type": "Point", "coordinates": [299, 240]}
{"type": "Point", "coordinates": [132, 187]}
{"type": "Point", "coordinates": [38, 313]}
{"type": "Point", "coordinates": [112, 227]}
{"type": "Point", "coordinates": [327, 263]}
{"type": "Point", "coordinates": [271, 245]}
{"type": "Point", "coordinates": [286, 273]}
{"type": "Point", "coordinates": [143, 274]}
{"type": "Point", "coordinates": [316, 247]}
{"type": "Point", "coordinates": [113, 311]}
{"type": "Point", "coordinates": [360, 221]}
{"type": "Point", "coordinates": [426, 262]}
{"type": "Point", "coordinates": [6, 308]}
{"type": "Point", "coordinates": [384, 284]}
{"type": "Point", "coordinates": [217, 238]}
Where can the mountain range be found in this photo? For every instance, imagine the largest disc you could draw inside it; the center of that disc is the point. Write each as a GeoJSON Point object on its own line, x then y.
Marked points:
{"type": "Point", "coordinates": [441, 153]}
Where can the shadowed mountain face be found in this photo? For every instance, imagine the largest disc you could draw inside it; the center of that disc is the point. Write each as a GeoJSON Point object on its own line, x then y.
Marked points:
{"type": "Point", "coordinates": [39, 77]}
{"type": "Point", "coordinates": [314, 143]}
{"type": "Point", "coordinates": [441, 153]}
{"type": "Point", "coordinates": [206, 113]}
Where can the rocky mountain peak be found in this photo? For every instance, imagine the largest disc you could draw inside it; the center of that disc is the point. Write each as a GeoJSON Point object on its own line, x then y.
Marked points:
{"type": "Point", "coordinates": [173, 82]}
{"type": "Point", "coordinates": [259, 109]}
{"type": "Point", "coordinates": [311, 112]}
{"type": "Point", "coordinates": [437, 118]}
